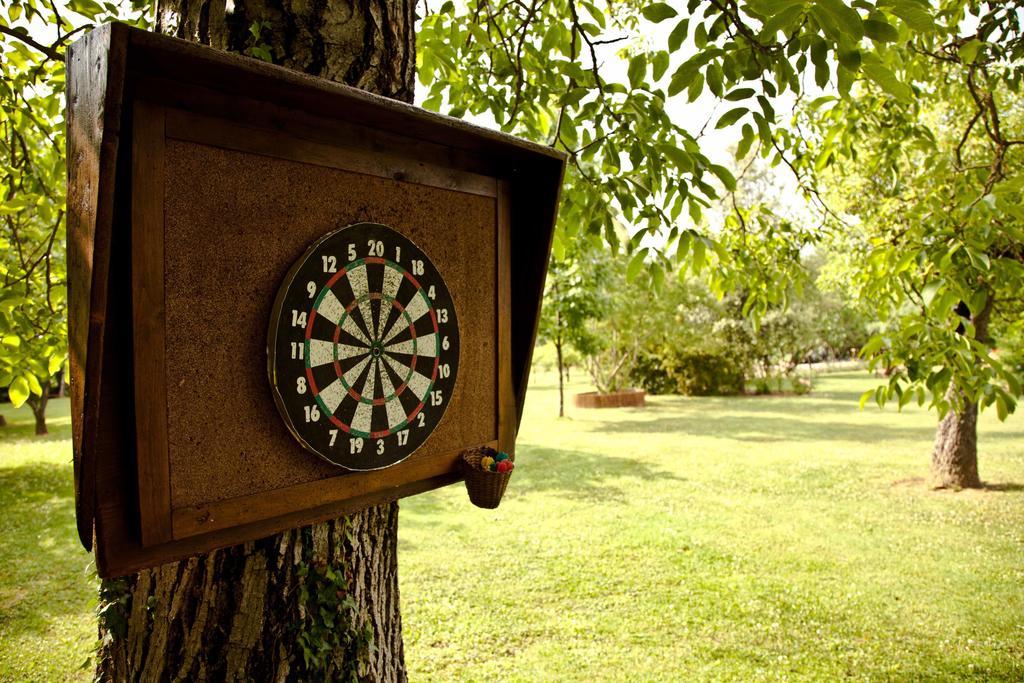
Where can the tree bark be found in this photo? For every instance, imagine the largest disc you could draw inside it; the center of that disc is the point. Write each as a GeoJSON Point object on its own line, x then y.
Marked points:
{"type": "Point", "coordinates": [561, 367]}
{"type": "Point", "coordinates": [317, 603]}
{"type": "Point", "coordinates": [955, 454]}
{"type": "Point", "coordinates": [38, 406]}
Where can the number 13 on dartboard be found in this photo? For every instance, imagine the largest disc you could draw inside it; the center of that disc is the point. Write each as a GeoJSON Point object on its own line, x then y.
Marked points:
{"type": "Point", "coordinates": [363, 347]}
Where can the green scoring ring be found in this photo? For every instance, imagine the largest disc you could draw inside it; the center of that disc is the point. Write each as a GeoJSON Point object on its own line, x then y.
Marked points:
{"type": "Point", "coordinates": [415, 344]}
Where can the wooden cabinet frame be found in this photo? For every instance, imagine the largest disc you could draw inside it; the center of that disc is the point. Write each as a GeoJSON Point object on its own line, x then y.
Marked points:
{"type": "Point", "coordinates": [129, 93]}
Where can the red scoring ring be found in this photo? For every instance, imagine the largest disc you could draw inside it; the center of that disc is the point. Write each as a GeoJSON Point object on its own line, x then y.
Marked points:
{"type": "Point", "coordinates": [337, 333]}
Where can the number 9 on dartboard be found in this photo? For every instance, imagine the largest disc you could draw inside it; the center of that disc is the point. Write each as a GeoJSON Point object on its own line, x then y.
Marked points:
{"type": "Point", "coordinates": [363, 347]}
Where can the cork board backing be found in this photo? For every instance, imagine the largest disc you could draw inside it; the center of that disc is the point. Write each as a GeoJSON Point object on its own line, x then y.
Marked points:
{"type": "Point", "coordinates": [220, 212]}
{"type": "Point", "coordinates": [234, 224]}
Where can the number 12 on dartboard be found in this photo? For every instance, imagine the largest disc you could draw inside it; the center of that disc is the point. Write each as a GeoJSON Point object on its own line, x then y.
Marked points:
{"type": "Point", "coordinates": [363, 347]}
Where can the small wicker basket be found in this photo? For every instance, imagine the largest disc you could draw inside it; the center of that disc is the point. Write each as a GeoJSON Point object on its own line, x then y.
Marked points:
{"type": "Point", "coordinates": [485, 488]}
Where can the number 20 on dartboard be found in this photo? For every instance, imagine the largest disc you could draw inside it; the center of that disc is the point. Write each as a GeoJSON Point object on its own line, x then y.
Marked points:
{"type": "Point", "coordinates": [363, 347]}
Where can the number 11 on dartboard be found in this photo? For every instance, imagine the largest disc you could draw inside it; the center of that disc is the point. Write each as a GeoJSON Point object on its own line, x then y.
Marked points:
{"type": "Point", "coordinates": [363, 347]}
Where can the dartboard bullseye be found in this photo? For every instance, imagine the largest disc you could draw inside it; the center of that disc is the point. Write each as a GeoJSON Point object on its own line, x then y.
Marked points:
{"type": "Point", "coordinates": [363, 347]}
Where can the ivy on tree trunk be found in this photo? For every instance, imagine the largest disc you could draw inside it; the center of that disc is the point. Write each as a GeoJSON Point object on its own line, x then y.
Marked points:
{"type": "Point", "coordinates": [317, 603]}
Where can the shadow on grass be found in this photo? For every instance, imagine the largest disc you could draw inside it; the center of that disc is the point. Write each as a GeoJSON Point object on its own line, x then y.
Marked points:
{"type": "Point", "coordinates": [1002, 487]}
{"type": "Point", "coordinates": [579, 475]}
{"type": "Point", "coordinates": [26, 435]}
{"type": "Point", "coordinates": [747, 427]}
{"type": "Point", "coordinates": [38, 548]}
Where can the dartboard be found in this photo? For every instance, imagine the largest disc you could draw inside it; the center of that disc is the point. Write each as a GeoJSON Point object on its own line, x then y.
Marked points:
{"type": "Point", "coordinates": [363, 347]}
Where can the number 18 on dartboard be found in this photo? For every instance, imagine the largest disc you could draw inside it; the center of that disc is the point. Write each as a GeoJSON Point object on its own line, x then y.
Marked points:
{"type": "Point", "coordinates": [363, 347]}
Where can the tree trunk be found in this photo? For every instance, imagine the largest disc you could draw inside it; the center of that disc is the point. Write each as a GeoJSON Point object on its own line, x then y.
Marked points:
{"type": "Point", "coordinates": [561, 368]}
{"type": "Point", "coordinates": [38, 406]}
{"type": "Point", "coordinates": [3, 421]}
{"type": "Point", "coordinates": [955, 454]}
{"type": "Point", "coordinates": [257, 611]}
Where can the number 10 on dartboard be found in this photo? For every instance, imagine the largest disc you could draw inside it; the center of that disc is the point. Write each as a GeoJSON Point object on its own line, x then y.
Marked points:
{"type": "Point", "coordinates": [363, 347]}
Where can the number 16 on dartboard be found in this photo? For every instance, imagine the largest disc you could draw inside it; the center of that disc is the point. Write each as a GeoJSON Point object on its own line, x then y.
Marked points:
{"type": "Point", "coordinates": [363, 347]}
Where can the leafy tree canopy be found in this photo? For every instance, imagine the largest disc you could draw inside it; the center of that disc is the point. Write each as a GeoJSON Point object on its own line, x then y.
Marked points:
{"type": "Point", "coordinates": [933, 179]}
{"type": "Point", "coordinates": [601, 79]}
{"type": "Point", "coordinates": [33, 297]}
{"type": "Point", "coordinates": [920, 92]}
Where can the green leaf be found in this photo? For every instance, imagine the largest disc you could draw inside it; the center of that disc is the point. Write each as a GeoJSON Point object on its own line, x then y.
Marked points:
{"type": "Point", "coordinates": [783, 21]}
{"type": "Point", "coordinates": [636, 264]}
{"type": "Point", "coordinates": [884, 77]}
{"type": "Point", "coordinates": [969, 50]}
{"type": "Point", "coordinates": [865, 397]}
{"type": "Point", "coordinates": [916, 15]}
{"type": "Point", "coordinates": [683, 76]}
{"type": "Point", "coordinates": [695, 88]}
{"type": "Point", "coordinates": [739, 94]}
{"type": "Point", "coordinates": [979, 259]}
{"type": "Point", "coordinates": [678, 35]}
{"type": "Point", "coordinates": [874, 344]}
{"type": "Point", "coordinates": [557, 247]}
{"type": "Point", "coordinates": [637, 70]}
{"type": "Point", "coordinates": [725, 176]}
{"type": "Point", "coordinates": [87, 8]}
{"type": "Point", "coordinates": [846, 19]}
{"type": "Point", "coordinates": [730, 117]}
{"type": "Point", "coordinates": [660, 64]}
{"type": "Point", "coordinates": [770, 8]}
{"type": "Point", "coordinates": [929, 292]}
{"type": "Point", "coordinates": [54, 363]}
{"type": "Point", "coordinates": [18, 391]}
{"type": "Point", "coordinates": [819, 57]}
{"type": "Point", "coordinates": [679, 157]}
{"type": "Point", "coordinates": [12, 340]}
{"type": "Point", "coordinates": [699, 252]}
{"type": "Point", "coordinates": [850, 59]}
{"type": "Point", "coordinates": [33, 384]}
{"type": "Point", "coordinates": [1001, 408]}
{"type": "Point", "coordinates": [743, 148]}
{"type": "Point", "coordinates": [880, 31]}
{"type": "Point", "coordinates": [715, 79]}
{"type": "Point", "coordinates": [658, 12]}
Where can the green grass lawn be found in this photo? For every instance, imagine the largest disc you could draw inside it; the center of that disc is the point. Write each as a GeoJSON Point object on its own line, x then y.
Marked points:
{"type": "Point", "coordinates": [47, 581]}
{"type": "Point", "coordinates": [747, 538]}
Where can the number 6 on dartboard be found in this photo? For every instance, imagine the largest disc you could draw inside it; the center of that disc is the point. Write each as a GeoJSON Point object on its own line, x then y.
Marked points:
{"type": "Point", "coordinates": [357, 348]}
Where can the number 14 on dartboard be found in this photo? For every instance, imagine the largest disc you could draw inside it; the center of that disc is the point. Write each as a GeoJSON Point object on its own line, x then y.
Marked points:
{"type": "Point", "coordinates": [363, 347]}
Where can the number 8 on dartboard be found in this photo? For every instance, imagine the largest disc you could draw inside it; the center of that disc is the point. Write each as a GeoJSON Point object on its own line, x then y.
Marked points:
{"type": "Point", "coordinates": [363, 347]}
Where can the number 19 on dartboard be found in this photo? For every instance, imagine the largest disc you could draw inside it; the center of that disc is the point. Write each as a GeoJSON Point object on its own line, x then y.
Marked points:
{"type": "Point", "coordinates": [363, 347]}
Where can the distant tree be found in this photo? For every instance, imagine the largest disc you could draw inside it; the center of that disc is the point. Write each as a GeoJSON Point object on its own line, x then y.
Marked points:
{"type": "Point", "coordinates": [570, 301]}
{"type": "Point", "coordinates": [33, 308]}
{"type": "Point", "coordinates": [930, 177]}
